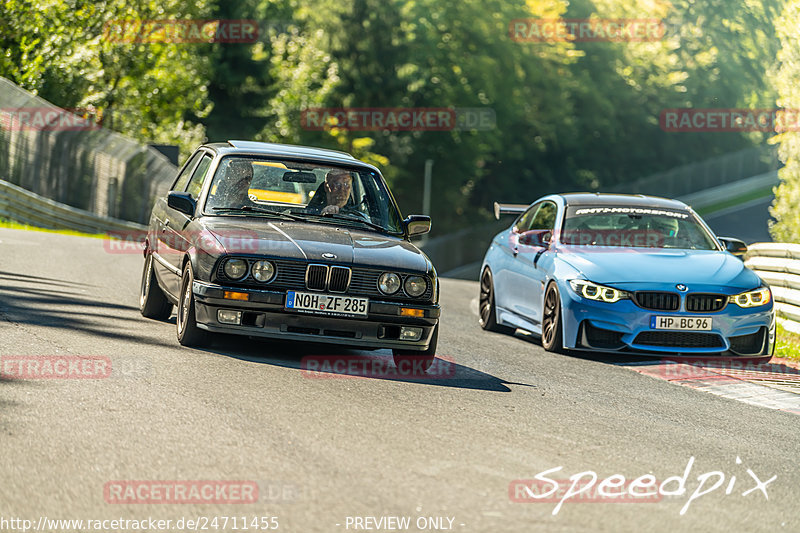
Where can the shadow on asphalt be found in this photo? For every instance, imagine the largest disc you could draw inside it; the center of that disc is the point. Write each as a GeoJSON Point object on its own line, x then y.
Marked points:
{"type": "Point", "coordinates": [600, 357]}
{"type": "Point", "coordinates": [49, 303]}
{"type": "Point", "coordinates": [318, 361]}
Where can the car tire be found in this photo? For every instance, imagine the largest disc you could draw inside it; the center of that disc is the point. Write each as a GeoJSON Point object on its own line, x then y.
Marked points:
{"type": "Point", "coordinates": [186, 325]}
{"type": "Point", "coordinates": [152, 302]}
{"type": "Point", "coordinates": [552, 337]}
{"type": "Point", "coordinates": [486, 308]}
{"type": "Point", "coordinates": [423, 359]}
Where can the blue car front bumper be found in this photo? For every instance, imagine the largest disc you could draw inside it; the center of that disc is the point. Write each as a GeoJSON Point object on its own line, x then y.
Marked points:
{"type": "Point", "coordinates": [625, 326]}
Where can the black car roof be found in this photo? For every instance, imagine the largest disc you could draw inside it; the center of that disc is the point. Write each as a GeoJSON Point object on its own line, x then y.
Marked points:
{"type": "Point", "coordinates": [638, 200]}
{"type": "Point", "coordinates": [284, 150]}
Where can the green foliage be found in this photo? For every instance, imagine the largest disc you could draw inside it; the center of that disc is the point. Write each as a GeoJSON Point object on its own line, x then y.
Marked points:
{"type": "Point", "coordinates": [570, 115]}
{"type": "Point", "coordinates": [787, 195]}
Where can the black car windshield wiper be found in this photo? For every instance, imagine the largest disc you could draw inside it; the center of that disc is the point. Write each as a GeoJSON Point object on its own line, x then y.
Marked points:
{"type": "Point", "coordinates": [348, 218]}
{"type": "Point", "coordinates": [251, 209]}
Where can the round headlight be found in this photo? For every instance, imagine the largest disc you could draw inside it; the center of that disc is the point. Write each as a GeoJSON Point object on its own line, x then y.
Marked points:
{"type": "Point", "coordinates": [263, 271]}
{"type": "Point", "coordinates": [389, 283]}
{"type": "Point", "coordinates": [415, 286]}
{"type": "Point", "coordinates": [235, 268]}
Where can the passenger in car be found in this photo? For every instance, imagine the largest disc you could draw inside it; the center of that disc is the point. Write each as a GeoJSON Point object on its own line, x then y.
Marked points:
{"type": "Point", "coordinates": [233, 191]}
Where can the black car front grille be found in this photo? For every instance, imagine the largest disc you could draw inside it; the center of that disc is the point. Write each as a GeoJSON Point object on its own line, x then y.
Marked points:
{"type": "Point", "coordinates": [291, 274]}
{"type": "Point", "coordinates": [706, 303]}
{"type": "Point", "coordinates": [679, 339]}
{"type": "Point", "coordinates": [340, 279]}
{"type": "Point", "coordinates": [657, 301]}
{"type": "Point", "coordinates": [751, 344]}
{"type": "Point", "coordinates": [317, 277]}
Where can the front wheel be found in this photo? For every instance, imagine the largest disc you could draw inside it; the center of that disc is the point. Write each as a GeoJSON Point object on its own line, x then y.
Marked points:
{"type": "Point", "coordinates": [152, 302]}
{"type": "Point", "coordinates": [188, 332]}
{"type": "Point", "coordinates": [422, 360]}
{"type": "Point", "coordinates": [551, 321]}
{"type": "Point", "coordinates": [487, 308]}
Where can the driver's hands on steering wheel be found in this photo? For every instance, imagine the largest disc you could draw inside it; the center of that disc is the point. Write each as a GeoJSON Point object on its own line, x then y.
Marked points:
{"type": "Point", "coordinates": [330, 209]}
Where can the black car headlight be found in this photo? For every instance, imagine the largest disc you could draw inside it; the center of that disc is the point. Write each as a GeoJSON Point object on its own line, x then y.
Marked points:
{"type": "Point", "coordinates": [235, 268]}
{"type": "Point", "coordinates": [754, 298]}
{"type": "Point", "coordinates": [263, 271]}
{"type": "Point", "coordinates": [389, 283]}
{"type": "Point", "coordinates": [600, 293]}
{"type": "Point", "coordinates": [415, 286]}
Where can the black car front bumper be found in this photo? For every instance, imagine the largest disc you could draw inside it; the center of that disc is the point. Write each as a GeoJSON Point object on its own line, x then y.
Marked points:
{"type": "Point", "coordinates": [264, 315]}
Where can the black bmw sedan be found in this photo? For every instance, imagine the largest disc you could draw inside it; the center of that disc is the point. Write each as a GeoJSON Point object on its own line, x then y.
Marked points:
{"type": "Point", "coordinates": [290, 242]}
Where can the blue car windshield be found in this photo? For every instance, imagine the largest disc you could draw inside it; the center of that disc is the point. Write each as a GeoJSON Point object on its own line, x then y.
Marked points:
{"type": "Point", "coordinates": [632, 226]}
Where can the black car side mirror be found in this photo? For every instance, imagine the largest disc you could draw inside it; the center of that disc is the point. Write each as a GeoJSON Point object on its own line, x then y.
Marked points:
{"type": "Point", "coordinates": [417, 224]}
{"type": "Point", "coordinates": [182, 201]}
{"type": "Point", "coordinates": [734, 246]}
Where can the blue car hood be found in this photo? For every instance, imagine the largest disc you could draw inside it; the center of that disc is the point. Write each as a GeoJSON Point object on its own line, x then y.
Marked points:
{"type": "Point", "coordinates": [630, 265]}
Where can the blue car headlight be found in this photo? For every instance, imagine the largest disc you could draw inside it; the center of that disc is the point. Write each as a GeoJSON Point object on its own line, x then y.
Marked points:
{"type": "Point", "coordinates": [755, 298]}
{"type": "Point", "coordinates": [600, 293]}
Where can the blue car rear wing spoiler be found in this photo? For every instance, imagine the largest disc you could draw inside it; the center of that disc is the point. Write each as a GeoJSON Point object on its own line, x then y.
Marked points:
{"type": "Point", "coordinates": [508, 209]}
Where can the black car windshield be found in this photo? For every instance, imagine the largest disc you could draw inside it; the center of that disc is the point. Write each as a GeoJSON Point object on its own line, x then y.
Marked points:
{"type": "Point", "coordinates": [633, 226]}
{"type": "Point", "coordinates": [314, 192]}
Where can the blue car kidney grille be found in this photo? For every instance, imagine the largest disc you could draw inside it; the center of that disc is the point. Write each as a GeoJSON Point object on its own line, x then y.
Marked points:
{"type": "Point", "coordinates": [657, 301]}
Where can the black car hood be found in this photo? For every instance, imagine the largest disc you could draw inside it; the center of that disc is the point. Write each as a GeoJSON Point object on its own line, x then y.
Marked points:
{"type": "Point", "coordinates": [314, 242]}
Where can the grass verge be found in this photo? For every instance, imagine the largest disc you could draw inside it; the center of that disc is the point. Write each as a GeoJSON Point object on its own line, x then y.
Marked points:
{"type": "Point", "coordinates": [10, 224]}
{"type": "Point", "coordinates": [754, 195]}
{"type": "Point", "coordinates": [787, 344]}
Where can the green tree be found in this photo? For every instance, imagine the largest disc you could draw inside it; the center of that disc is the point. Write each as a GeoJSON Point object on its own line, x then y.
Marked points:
{"type": "Point", "coordinates": [787, 194]}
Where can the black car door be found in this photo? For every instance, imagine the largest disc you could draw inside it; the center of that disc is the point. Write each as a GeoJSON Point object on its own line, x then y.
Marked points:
{"type": "Point", "coordinates": [175, 242]}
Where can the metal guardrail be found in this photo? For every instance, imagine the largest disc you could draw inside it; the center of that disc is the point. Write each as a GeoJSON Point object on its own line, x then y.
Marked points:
{"type": "Point", "coordinates": [730, 191]}
{"type": "Point", "coordinates": [84, 166]}
{"type": "Point", "coordinates": [779, 265]}
{"type": "Point", "coordinates": [703, 175]}
{"type": "Point", "coordinates": [30, 208]}
{"type": "Point", "coordinates": [462, 247]}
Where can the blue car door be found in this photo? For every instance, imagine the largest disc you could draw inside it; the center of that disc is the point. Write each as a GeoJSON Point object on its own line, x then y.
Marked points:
{"type": "Point", "coordinates": [526, 270]}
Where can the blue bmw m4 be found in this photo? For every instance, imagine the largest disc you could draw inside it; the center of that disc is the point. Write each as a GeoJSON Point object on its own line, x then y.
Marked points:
{"type": "Point", "coordinates": [624, 273]}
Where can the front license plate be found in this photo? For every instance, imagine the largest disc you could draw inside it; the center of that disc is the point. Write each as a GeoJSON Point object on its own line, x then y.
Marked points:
{"type": "Point", "coordinates": [681, 323]}
{"type": "Point", "coordinates": [328, 304]}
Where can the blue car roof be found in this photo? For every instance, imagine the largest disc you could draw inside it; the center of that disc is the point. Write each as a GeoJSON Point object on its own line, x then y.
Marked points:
{"type": "Point", "coordinates": [638, 200]}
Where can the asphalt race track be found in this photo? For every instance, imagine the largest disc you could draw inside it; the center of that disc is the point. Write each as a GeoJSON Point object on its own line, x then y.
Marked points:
{"type": "Point", "coordinates": [331, 452]}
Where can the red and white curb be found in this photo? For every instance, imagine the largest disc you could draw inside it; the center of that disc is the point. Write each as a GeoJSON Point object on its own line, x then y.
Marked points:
{"type": "Point", "coordinates": [774, 385]}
